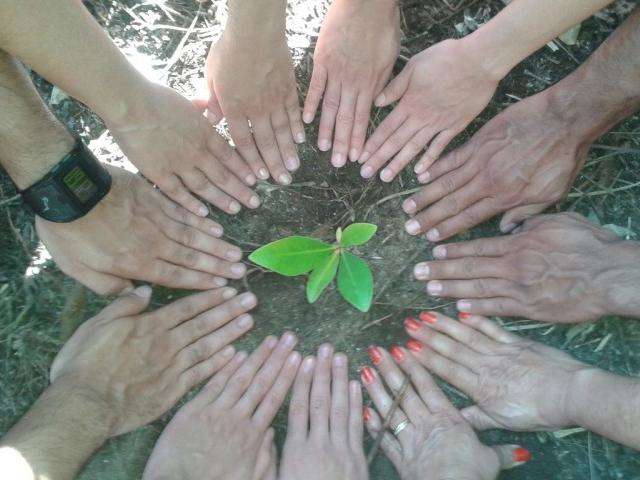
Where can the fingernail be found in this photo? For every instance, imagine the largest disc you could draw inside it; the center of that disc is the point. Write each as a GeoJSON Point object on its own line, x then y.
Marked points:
{"type": "Point", "coordinates": [325, 351]}
{"type": "Point", "coordinates": [228, 351]}
{"type": "Point", "coordinates": [364, 157]}
{"type": "Point", "coordinates": [521, 455]}
{"type": "Point", "coordinates": [271, 341]}
{"type": "Point", "coordinates": [250, 179]}
{"type": "Point", "coordinates": [229, 293]}
{"type": "Point", "coordinates": [245, 321]}
{"type": "Point", "coordinates": [338, 160]}
{"type": "Point", "coordinates": [463, 305]}
{"type": "Point", "coordinates": [300, 137]}
{"type": "Point", "coordinates": [434, 288]}
{"type": "Point", "coordinates": [414, 345]}
{"type": "Point", "coordinates": [284, 178]}
{"type": "Point", "coordinates": [409, 206]}
{"type": "Point", "coordinates": [424, 177]}
{"type": "Point", "coordinates": [217, 231]}
{"type": "Point", "coordinates": [339, 360]}
{"type": "Point", "coordinates": [397, 353]}
{"type": "Point", "coordinates": [294, 358]}
{"type": "Point", "coordinates": [248, 300]}
{"type": "Point", "coordinates": [234, 207]}
{"type": "Point", "coordinates": [386, 175]}
{"type": "Point", "coordinates": [254, 201]}
{"type": "Point", "coordinates": [292, 163]}
{"type": "Point", "coordinates": [307, 117]}
{"type": "Point", "coordinates": [353, 155]}
{"type": "Point", "coordinates": [464, 315]}
{"type": "Point", "coordinates": [238, 269]}
{"type": "Point", "coordinates": [288, 339]}
{"type": "Point", "coordinates": [366, 172]}
{"type": "Point", "coordinates": [324, 144]}
{"type": "Point", "coordinates": [421, 271]}
{"type": "Point", "coordinates": [366, 414]}
{"type": "Point", "coordinates": [143, 291]}
{"type": "Point", "coordinates": [412, 324]}
{"type": "Point", "coordinates": [203, 211]}
{"type": "Point", "coordinates": [440, 252]}
{"type": "Point", "coordinates": [380, 99]}
{"type": "Point", "coordinates": [375, 354]}
{"type": "Point", "coordinates": [234, 254]}
{"type": "Point", "coordinates": [433, 235]}
{"type": "Point", "coordinates": [428, 317]}
{"type": "Point", "coordinates": [308, 363]}
{"type": "Point", "coordinates": [419, 168]}
{"type": "Point", "coordinates": [220, 282]}
{"type": "Point", "coordinates": [412, 227]}
{"type": "Point", "coordinates": [508, 227]}
{"type": "Point", "coordinates": [367, 375]}
{"type": "Point", "coordinates": [263, 173]}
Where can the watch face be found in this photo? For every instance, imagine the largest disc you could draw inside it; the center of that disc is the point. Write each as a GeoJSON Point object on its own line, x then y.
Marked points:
{"type": "Point", "coordinates": [79, 183]}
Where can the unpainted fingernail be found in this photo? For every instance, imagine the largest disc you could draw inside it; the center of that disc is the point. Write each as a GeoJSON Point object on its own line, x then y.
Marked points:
{"type": "Point", "coordinates": [339, 360]}
{"type": "Point", "coordinates": [143, 291]}
{"type": "Point", "coordinates": [463, 305]}
{"type": "Point", "coordinates": [217, 231]}
{"type": "Point", "coordinates": [366, 172]}
{"type": "Point", "coordinates": [421, 271]}
{"type": "Point", "coordinates": [338, 160]}
{"type": "Point", "coordinates": [412, 324]}
{"type": "Point", "coordinates": [203, 211]}
{"type": "Point", "coordinates": [248, 300]}
{"type": "Point", "coordinates": [418, 168]}
{"type": "Point", "coordinates": [380, 99]}
{"type": "Point", "coordinates": [234, 207]}
{"type": "Point", "coordinates": [364, 157]}
{"type": "Point", "coordinates": [229, 293]}
{"type": "Point", "coordinates": [238, 269]}
{"type": "Point", "coordinates": [433, 235]}
{"type": "Point", "coordinates": [263, 173]}
{"type": "Point", "coordinates": [228, 351]}
{"type": "Point", "coordinates": [428, 317]}
{"type": "Point", "coordinates": [440, 252]}
{"type": "Point", "coordinates": [271, 341]}
{"type": "Point", "coordinates": [288, 339]}
{"type": "Point", "coordinates": [250, 179]}
{"type": "Point", "coordinates": [409, 206]}
{"type": "Point", "coordinates": [219, 281]}
{"type": "Point", "coordinates": [294, 358]}
{"type": "Point", "coordinates": [324, 351]}
{"type": "Point", "coordinates": [374, 354]}
{"type": "Point", "coordinates": [284, 178]}
{"type": "Point", "coordinates": [254, 201]}
{"type": "Point", "coordinates": [414, 345]}
{"type": "Point", "coordinates": [292, 163]}
{"type": "Point", "coordinates": [412, 227]}
{"type": "Point", "coordinates": [424, 177]}
{"type": "Point", "coordinates": [397, 353]}
{"type": "Point", "coordinates": [353, 154]}
{"type": "Point", "coordinates": [245, 321]}
{"type": "Point", "coordinates": [386, 175]}
{"type": "Point", "coordinates": [521, 455]}
{"type": "Point", "coordinates": [508, 227]}
{"type": "Point", "coordinates": [367, 375]}
{"type": "Point", "coordinates": [234, 254]}
{"type": "Point", "coordinates": [324, 144]}
{"type": "Point", "coordinates": [300, 137]}
{"type": "Point", "coordinates": [308, 363]}
{"type": "Point", "coordinates": [434, 288]}
{"type": "Point", "coordinates": [307, 117]}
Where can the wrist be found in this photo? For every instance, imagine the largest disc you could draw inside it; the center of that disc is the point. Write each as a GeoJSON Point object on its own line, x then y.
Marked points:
{"type": "Point", "coordinates": [492, 58]}
{"type": "Point", "coordinates": [258, 18]}
{"type": "Point", "coordinates": [580, 400]}
{"type": "Point", "coordinates": [620, 282]}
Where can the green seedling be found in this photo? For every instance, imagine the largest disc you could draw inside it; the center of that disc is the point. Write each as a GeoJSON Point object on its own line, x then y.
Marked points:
{"type": "Point", "coordinates": [297, 255]}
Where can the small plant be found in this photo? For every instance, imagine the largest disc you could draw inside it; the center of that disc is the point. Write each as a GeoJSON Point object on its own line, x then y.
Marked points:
{"type": "Point", "coordinates": [297, 255]}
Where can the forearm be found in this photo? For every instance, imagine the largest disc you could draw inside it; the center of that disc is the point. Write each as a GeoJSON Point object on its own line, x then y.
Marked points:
{"type": "Point", "coordinates": [620, 282]}
{"type": "Point", "coordinates": [56, 436]}
{"type": "Point", "coordinates": [607, 404]}
{"type": "Point", "coordinates": [524, 26]}
{"type": "Point", "coordinates": [31, 138]}
{"type": "Point", "coordinates": [256, 17]}
{"type": "Point", "coordinates": [61, 41]}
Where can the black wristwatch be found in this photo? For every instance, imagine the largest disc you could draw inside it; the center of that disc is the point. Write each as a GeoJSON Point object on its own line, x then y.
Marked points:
{"type": "Point", "coordinates": [71, 188]}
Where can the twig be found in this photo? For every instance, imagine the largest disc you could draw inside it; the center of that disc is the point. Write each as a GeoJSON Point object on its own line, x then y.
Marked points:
{"type": "Point", "coordinates": [6, 201]}
{"type": "Point", "coordinates": [603, 192]}
{"type": "Point", "coordinates": [178, 51]}
{"type": "Point", "coordinates": [391, 197]}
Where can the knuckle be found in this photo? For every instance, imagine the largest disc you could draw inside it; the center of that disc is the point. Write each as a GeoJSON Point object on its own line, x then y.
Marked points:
{"type": "Point", "coordinates": [318, 404]}
{"type": "Point", "coordinates": [244, 142]}
{"type": "Point", "coordinates": [481, 288]}
{"type": "Point", "coordinates": [344, 119]}
{"type": "Point", "coordinates": [331, 103]}
{"type": "Point", "coordinates": [448, 184]}
{"type": "Point", "coordinates": [298, 409]}
{"type": "Point", "coordinates": [470, 217]}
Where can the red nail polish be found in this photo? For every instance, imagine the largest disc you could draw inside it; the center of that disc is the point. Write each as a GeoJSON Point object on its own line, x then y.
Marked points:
{"type": "Point", "coordinates": [366, 414]}
{"type": "Point", "coordinates": [464, 315]}
{"type": "Point", "coordinates": [367, 375]}
{"type": "Point", "coordinates": [414, 345]}
{"type": "Point", "coordinates": [397, 353]}
{"type": "Point", "coordinates": [428, 317]}
{"type": "Point", "coordinates": [412, 324]}
{"type": "Point", "coordinates": [521, 455]}
{"type": "Point", "coordinates": [375, 354]}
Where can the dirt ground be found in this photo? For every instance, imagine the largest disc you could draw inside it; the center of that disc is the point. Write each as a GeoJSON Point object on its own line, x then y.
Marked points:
{"type": "Point", "coordinates": [33, 304]}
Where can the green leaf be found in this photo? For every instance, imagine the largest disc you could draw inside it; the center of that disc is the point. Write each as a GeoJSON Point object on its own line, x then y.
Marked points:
{"type": "Point", "coordinates": [357, 234]}
{"type": "Point", "coordinates": [292, 256]}
{"type": "Point", "coordinates": [322, 276]}
{"type": "Point", "coordinates": [355, 281]}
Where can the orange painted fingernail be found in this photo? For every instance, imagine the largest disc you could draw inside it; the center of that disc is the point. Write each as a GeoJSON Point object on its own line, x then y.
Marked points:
{"type": "Point", "coordinates": [375, 354]}
{"type": "Point", "coordinates": [464, 315]}
{"type": "Point", "coordinates": [397, 353]}
{"type": "Point", "coordinates": [414, 345]}
{"type": "Point", "coordinates": [428, 317]}
{"type": "Point", "coordinates": [367, 375]}
{"type": "Point", "coordinates": [412, 324]}
{"type": "Point", "coordinates": [521, 455]}
{"type": "Point", "coordinates": [366, 414]}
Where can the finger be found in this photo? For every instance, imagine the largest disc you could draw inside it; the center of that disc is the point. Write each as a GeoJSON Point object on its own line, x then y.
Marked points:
{"type": "Point", "coordinates": [390, 147]}
{"type": "Point", "coordinates": [387, 127]}
{"type": "Point", "coordinates": [483, 247]}
{"type": "Point", "coordinates": [477, 288]}
{"type": "Point", "coordinates": [222, 151]}
{"type": "Point", "coordinates": [130, 304]}
{"type": "Point", "coordinates": [394, 378]}
{"type": "Point", "coordinates": [274, 399]}
{"type": "Point", "coordinates": [219, 176]}
{"type": "Point", "coordinates": [198, 183]}
{"type": "Point", "coordinates": [243, 377]}
{"type": "Point", "coordinates": [468, 218]}
{"type": "Point", "coordinates": [191, 306]}
{"type": "Point", "coordinates": [176, 276]}
{"type": "Point", "coordinates": [298, 426]}
{"type": "Point", "coordinates": [198, 373]}
{"type": "Point", "coordinates": [448, 163]}
{"type": "Point", "coordinates": [339, 417]}
{"type": "Point", "coordinates": [314, 94]}
{"type": "Point", "coordinates": [208, 345]}
{"type": "Point", "coordinates": [344, 125]}
{"type": "Point", "coordinates": [267, 375]}
{"type": "Point", "coordinates": [406, 154]}
{"type": "Point", "coordinates": [438, 145]}
{"type": "Point", "coordinates": [489, 328]}
{"type": "Point", "coordinates": [268, 146]}
{"type": "Point", "coordinates": [214, 318]}
{"type": "Point", "coordinates": [295, 120]}
{"type": "Point", "coordinates": [389, 444]}
{"type": "Point", "coordinates": [514, 217]}
{"type": "Point", "coordinates": [195, 239]}
{"type": "Point", "coordinates": [360, 125]}
{"type": "Point", "coordinates": [478, 419]}
{"type": "Point", "coordinates": [396, 87]}
{"type": "Point", "coordinates": [456, 374]}
{"type": "Point", "coordinates": [284, 137]}
{"type": "Point", "coordinates": [214, 111]}
{"type": "Point", "coordinates": [511, 456]}
{"type": "Point", "coordinates": [263, 458]}
{"type": "Point", "coordinates": [355, 416]}
{"type": "Point", "coordinates": [244, 142]}
{"type": "Point", "coordinates": [193, 259]}
{"type": "Point", "coordinates": [498, 306]}
{"type": "Point", "coordinates": [176, 191]}
{"type": "Point", "coordinates": [272, 470]}
{"type": "Point", "coordinates": [98, 282]}
{"type": "Point", "coordinates": [184, 217]}
{"type": "Point", "coordinates": [216, 384]}
{"type": "Point", "coordinates": [321, 392]}
{"type": "Point", "coordinates": [460, 268]}
{"type": "Point", "coordinates": [330, 105]}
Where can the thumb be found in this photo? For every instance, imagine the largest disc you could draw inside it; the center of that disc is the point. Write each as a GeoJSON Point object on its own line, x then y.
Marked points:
{"type": "Point", "coordinates": [395, 89]}
{"type": "Point", "coordinates": [512, 218]}
{"type": "Point", "coordinates": [478, 419]}
{"type": "Point", "coordinates": [129, 304]}
{"type": "Point", "coordinates": [511, 455]}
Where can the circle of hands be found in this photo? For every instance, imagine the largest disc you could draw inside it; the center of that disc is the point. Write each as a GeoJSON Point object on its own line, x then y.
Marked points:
{"type": "Point", "coordinates": [164, 236]}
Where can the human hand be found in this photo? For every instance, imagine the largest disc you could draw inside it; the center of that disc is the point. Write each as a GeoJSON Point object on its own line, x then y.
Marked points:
{"type": "Point", "coordinates": [357, 47]}
{"type": "Point", "coordinates": [176, 148]}
{"type": "Point", "coordinates": [137, 233]}
{"type": "Point", "coordinates": [223, 433]}
{"type": "Point", "coordinates": [441, 90]}
{"type": "Point", "coordinates": [521, 162]}
{"type": "Point", "coordinates": [557, 268]}
{"type": "Point", "coordinates": [435, 441]}
{"type": "Point", "coordinates": [518, 384]}
{"type": "Point", "coordinates": [251, 80]}
{"type": "Point", "coordinates": [138, 365]}
{"type": "Point", "coordinates": [324, 434]}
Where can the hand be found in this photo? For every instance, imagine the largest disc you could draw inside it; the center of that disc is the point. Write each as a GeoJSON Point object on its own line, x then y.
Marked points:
{"type": "Point", "coordinates": [176, 148]}
{"type": "Point", "coordinates": [324, 435]}
{"type": "Point", "coordinates": [436, 441]}
{"type": "Point", "coordinates": [140, 365]}
{"type": "Point", "coordinates": [517, 384]}
{"type": "Point", "coordinates": [557, 268]}
{"type": "Point", "coordinates": [357, 47]}
{"type": "Point", "coordinates": [223, 433]}
{"type": "Point", "coordinates": [251, 80]}
{"type": "Point", "coordinates": [521, 162]}
{"type": "Point", "coordinates": [441, 90]}
{"type": "Point", "coordinates": [137, 233]}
